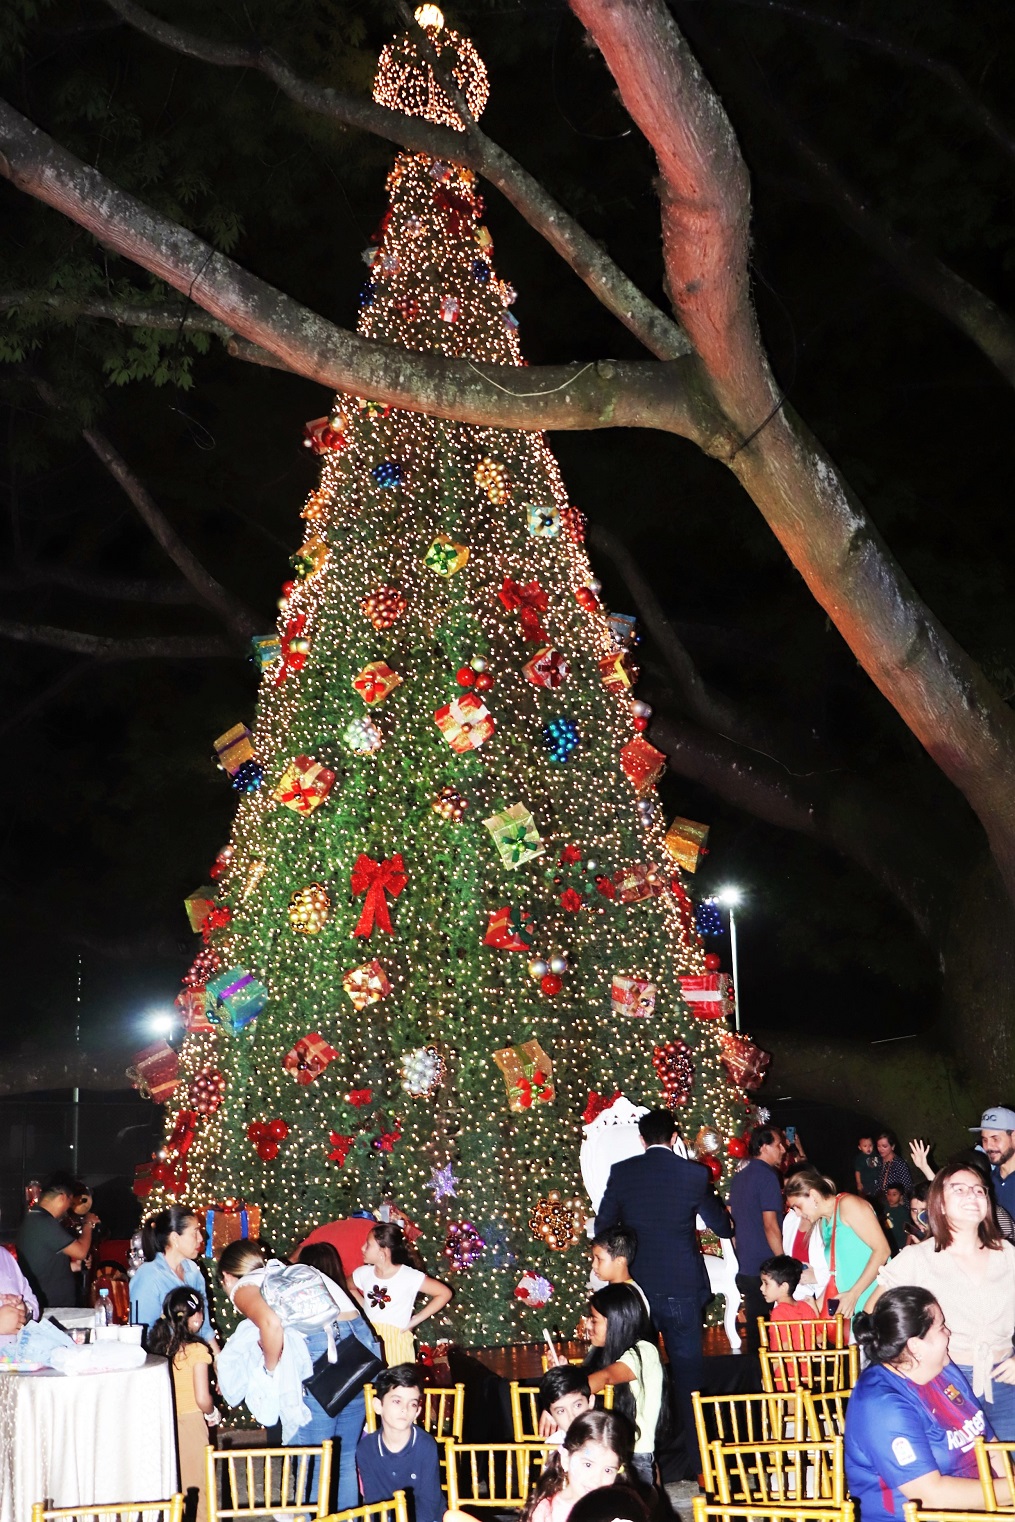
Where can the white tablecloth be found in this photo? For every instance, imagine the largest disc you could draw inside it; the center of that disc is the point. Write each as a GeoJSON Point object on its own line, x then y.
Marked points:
{"type": "Point", "coordinates": [94, 1438]}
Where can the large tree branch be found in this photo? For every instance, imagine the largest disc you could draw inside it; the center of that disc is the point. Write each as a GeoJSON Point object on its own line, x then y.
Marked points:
{"type": "Point", "coordinates": [941, 694]}
{"type": "Point", "coordinates": [957, 300]}
{"type": "Point", "coordinates": [872, 826]}
{"type": "Point", "coordinates": [207, 590]}
{"type": "Point", "coordinates": [928, 278]}
{"type": "Point", "coordinates": [174, 318]}
{"type": "Point", "coordinates": [166, 594]}
{"type": "Point", "coordinates": [157, 646]}
{"type": "Point", "coordinates": [658, 332]}
{"type": "Point", "coordinates": [605, 394]}
{"type": "Point", "coordinates": [701, 704]}
{"type": "Point", "coordinates": [911, 57]}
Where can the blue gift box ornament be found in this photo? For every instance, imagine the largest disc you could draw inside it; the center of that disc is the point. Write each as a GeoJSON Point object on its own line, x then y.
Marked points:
{"type": "Point", "coordinates": [240, 995]}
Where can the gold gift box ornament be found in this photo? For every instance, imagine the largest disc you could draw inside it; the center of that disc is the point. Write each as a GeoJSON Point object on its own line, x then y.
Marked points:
{"type": "Point", "coordinates": [687, 843]}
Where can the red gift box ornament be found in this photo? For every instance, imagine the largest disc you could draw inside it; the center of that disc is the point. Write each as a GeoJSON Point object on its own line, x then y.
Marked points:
{"type": "Point", "coordinates": [547, 668]}
{"type": "Point", "coordinates": [642, 764]}
{"type": "Point", "coordinates": [375, 879]}
{"type": "Point", "coordinates": [509, 929]}
{"type": "Point", "coordinates": [156, 1072]}
{"type": "Point", "coordinates": [744, 1062]}
{"type": "Point", "coordinates": [309, 1057]}
{"type": "Point", "coordinates": [709, 994]}
{"type": "Point", "coordinates": [528, 601]}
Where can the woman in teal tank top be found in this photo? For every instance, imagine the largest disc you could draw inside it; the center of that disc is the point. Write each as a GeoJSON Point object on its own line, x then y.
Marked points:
{"type": "Point", "coordinates": [855, 1245]}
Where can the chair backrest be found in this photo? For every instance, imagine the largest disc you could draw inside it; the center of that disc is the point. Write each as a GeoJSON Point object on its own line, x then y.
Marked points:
{"type": "Point", "coordinates": [170, 1510]}
{"type": "Point", "coordinates": [525, 1409]}
{"type": "Point", "coordinates": [803, 1336]}
{"type": "Point", "coordinates": [992, 1456]}
{"type": "Point", "coordinates": [834, 1369]}
{"type": "Point", "coordinates": [442, 1412]}
{"type": "Point", "coordinates": [546, 1362]}
{"type": "Point", "coordinates": [491, 1475]}
{"type": "Point", "coordinates": [274, 1480]}
{"type": "Point", "coordinates": [914, 1512]}
{"type": "Point", "coordinates": [744, 1419]}
{"type": "Point", "coordinates": [394, 1510]}
{"type": "Point", "coordinates": [825, 1413]}
{"type": "Point", "coordinates": [785, 1474]}
{"type": "Point", "coordinates": [714, 1511]}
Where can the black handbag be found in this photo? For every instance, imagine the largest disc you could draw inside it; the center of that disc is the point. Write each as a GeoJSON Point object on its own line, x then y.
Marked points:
{"type": "Point", "coordinates": [333, 1385]}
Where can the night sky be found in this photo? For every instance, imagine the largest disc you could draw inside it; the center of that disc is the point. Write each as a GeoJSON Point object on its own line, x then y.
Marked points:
{"type": "Point", "coordinates": [115, 806]}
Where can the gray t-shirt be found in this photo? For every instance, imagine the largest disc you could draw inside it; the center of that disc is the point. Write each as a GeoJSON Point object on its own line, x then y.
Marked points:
{"type": "Point", "coordinates": [40, 1243]}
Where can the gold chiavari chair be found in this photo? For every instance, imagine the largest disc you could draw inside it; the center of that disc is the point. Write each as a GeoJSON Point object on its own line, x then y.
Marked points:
{"type": "Point", "coordinates": [170, 1510]}
{"type": "Point", "coordinates": [394, 1510]}
{"type": "Point", "coordinates": [525, 1410]}
{"type": "Point", "coordinates": [712, 1511]}
{"type": "Point", "coordinates": [833, 1369]}
{"type": "Point", "coordinates": [442, 1412]}
{"type": "Point", "coordinates": [788, 1474]}
{"type": "Point", "coordinates": [803, 1336]}
{"type": "Point", "coordinates": [995, 1459]}
{"type": "Point", "coordinates": [744, 1419]}
{"type": "Point", "coordinates": [914, 1512]}
{"type": "Point", "coordinates": [493, 1476]}
{"type": "Point", "coordinates": [276, 1481]}
{"type": "Point", "coordinates": [825, 1412]}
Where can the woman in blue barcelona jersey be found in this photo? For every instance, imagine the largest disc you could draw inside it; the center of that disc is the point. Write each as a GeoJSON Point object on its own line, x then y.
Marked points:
{"type": "Point", "coordinates": [912, 1419]}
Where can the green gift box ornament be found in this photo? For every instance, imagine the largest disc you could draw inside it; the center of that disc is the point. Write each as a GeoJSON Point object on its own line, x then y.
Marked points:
{"type": "Point", "coordinates": [515, 835]}
{"type": "Point", "coordinates": [445, 557]}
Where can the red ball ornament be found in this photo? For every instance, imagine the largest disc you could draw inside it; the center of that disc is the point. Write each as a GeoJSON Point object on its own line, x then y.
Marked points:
{"type": "Point", "coordinates": [255, 1131]}
{"type": "Point", "coordinates": [551, 984]}
{"type": "Point", "coordinates": [713, 1165]}
{"type": "Point", "coordinates": [736, 1146]}
{"type": "Point", "coordinates": [466, 677]}
{"type": "Point", "coordinates": [267, 1151]}
{"type": "Point", "coordinates": [713, 961]}
{"type": "Point", "coordinates": [639, 724]}
{"type": "Point", "coordinates": [484, 681]}
{"type": "Point", "coordinates": [278, 1130]}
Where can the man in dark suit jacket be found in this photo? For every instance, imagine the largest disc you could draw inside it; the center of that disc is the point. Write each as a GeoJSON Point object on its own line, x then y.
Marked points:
{"type": "Point", "coordinates": [659, 1195]}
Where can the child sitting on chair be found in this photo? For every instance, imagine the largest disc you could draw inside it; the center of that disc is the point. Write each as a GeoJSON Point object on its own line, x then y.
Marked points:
{"type": "Point", "coordinates": [564, 1395]}
{"type": "Point", "coordinates": [779, 1279]}
{"type": "Point", "coordinates": [400, 1455]}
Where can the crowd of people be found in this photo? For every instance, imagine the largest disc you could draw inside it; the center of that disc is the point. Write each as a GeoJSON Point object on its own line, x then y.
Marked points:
{"type": "Point", "coordinates": [922, 1271]}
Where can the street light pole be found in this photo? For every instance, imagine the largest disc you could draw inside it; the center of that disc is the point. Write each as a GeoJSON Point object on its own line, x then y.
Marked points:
{"type": "Point", "coordinates": [736, 970]}
{"type": "Point", "coordinates": [729, 898]}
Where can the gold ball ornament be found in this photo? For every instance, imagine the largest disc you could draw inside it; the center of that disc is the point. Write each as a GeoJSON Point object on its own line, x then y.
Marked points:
{"type": "Point", "coordinates": [309, 908]}
{"type": "Point", "coordinates": [557, 1222]}
{"type": "Point", "coordinates": [708, 1141]}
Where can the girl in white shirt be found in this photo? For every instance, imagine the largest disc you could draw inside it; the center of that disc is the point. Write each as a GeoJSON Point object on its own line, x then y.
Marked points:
{"type": "Point", "coordinates": [388, 1285]}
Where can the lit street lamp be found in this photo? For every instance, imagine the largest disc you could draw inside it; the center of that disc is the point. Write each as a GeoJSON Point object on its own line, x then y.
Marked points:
{"type": "Point", "coordinates": [729, 898]}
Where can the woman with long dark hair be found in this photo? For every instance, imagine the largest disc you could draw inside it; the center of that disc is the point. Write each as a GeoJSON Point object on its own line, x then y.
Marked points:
{"type": "Point", "coordinates": [172, 1242]}
{"type": "Point", "coordinates": [912, 1420]}
{"type": "Point", "coordinates": [626, 1355]}
{"type": "Point", "coordinates": [970, 1269]}
{"type": "Point", "coordinates": [387, 1286]}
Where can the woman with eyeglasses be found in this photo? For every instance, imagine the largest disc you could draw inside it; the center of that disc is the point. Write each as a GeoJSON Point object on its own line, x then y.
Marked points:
{"type": "Point", "coordinates": [970, 1269]}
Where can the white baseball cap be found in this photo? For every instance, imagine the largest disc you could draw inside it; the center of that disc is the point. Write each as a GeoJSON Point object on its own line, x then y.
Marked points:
{"type": "Point", "coordinates": [997, 1119]}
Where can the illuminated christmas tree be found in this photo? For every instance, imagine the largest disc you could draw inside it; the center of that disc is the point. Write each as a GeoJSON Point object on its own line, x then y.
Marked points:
{"type": "Point", "coordinates": [446, 921]}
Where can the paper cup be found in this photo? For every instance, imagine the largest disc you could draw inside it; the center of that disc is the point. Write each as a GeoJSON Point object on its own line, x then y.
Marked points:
{"type": "Point", "coordinates": [130, 1334]}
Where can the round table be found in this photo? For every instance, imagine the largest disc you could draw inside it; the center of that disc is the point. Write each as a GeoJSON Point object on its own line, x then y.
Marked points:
{"type": "Point", "coordinates": [86, 1438]}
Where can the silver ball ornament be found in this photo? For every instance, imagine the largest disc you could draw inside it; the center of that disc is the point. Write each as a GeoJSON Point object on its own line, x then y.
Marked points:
{"type": "Point", "coordinates": [478, 663]}
{"type": "Point", "coordinates": [538, 968]}
{"type": "Point", "coordinates": [641, 710]}
{"type": "Point", "coordinates": [558, 964]}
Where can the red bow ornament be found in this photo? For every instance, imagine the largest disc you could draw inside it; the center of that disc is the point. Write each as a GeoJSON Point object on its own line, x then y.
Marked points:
{"type": "Point", "coordinates": [375, 879]}
{"type": "Point", "coordinates": [295, 647]}
{"type": "Point", "coordinates": [341, 1146]}
{"type": "Point", "coordinates": [528, 600]}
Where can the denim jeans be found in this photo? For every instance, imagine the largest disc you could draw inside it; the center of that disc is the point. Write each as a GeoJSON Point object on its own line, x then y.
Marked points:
{"type": "Point", "coordinates": [1000, 1412]}
{"type": "Point", "coordinates": [678, 1318]}
{"type": "Point", "coordinates": [643, 1467]}
{"type": "Point", "coordinates": [345, 1429]}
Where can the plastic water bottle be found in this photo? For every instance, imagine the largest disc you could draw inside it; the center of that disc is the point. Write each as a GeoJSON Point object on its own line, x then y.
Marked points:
{"type": "Point", "coordinates": [104, 1309]}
